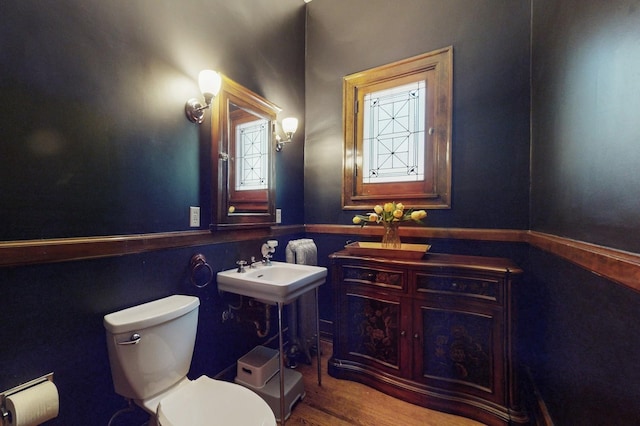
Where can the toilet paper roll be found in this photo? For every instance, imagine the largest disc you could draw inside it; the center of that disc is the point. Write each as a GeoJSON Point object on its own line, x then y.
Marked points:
{"type": "Point", "coordinates": [34, 405]}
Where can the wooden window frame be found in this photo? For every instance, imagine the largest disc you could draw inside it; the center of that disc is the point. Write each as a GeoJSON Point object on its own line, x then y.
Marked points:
{"type": "Point", "coordinates": [434, 192]}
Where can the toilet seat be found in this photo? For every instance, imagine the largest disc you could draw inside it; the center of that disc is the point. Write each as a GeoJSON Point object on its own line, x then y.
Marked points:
{"type": "Point", "coordinates": [208, 402]}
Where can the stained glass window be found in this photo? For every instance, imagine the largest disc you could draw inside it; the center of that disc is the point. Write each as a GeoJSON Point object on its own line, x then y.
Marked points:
{"type": "Point", "coordinates": [394, 134]}
{"type": "Point", "coordinates": [252, 141]}
{"type": "Point", "coordinates": [397, 133]}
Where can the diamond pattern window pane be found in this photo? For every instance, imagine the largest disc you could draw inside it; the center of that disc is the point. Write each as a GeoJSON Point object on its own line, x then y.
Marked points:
{"type": "Point", "coordinates": [252, 142]}
{"type": "Point", "coordinates": [394, 134]}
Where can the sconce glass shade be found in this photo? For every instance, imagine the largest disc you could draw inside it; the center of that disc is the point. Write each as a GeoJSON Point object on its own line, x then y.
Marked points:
{"type": "Point", "coordinates": [209, 82]}
{"type": "Point", "coordinates": [289, 125]}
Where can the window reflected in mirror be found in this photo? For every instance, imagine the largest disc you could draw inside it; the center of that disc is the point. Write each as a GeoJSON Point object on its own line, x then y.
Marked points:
{"type": "Point", "coordinates": [251, 150]}
{"type": "Point", "coordinates": [244, 147]}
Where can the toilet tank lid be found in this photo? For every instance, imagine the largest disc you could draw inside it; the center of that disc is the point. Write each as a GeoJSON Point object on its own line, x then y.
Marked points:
{"type": "Point", "coordinates": [149, 314]}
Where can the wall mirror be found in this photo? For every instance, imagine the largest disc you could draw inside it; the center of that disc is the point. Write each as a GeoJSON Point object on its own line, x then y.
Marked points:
{"type": "Point", "coordinates": [243, 156]}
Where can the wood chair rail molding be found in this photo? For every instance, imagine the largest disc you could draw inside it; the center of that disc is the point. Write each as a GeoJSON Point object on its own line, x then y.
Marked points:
{"type": "Point", "coordinates": [29, 252]}
{"type": "Point", "coordinates": [620, 266]}
{"type": "Point", "coordinates": [616, 265]}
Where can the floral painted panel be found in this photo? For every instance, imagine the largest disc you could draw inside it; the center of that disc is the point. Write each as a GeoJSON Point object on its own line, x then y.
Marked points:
{"type": "Point", "coordinates": [457, 346]}
{"type": "Point", "coordinates": [374, 329]}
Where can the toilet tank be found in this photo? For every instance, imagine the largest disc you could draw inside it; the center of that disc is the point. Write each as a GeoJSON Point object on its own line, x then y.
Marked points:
{"type": "Point", "coordinates": [162, 356]}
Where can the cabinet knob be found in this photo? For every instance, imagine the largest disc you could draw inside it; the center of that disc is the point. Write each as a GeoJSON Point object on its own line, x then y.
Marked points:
{"type": "Point", "coordinates": [403, 333]}
{"type": "Point", "coordinates": [416, 336]}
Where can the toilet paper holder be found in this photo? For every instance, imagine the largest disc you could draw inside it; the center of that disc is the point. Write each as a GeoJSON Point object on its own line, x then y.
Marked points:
{"type": "Point", "coordinates": [4, 414]}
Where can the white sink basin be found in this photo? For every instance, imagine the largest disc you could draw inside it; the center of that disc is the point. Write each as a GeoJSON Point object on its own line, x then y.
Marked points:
{"type": "Point", "coordinates": [278, 282]}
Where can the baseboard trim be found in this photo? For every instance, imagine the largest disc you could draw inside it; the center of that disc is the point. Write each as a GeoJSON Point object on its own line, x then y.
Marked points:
{"type": "Point", "coordinates": [535, 406]}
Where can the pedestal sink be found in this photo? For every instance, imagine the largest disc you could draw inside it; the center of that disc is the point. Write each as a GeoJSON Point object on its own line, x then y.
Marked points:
{"type": "Point", "coordinates": [278, 283]}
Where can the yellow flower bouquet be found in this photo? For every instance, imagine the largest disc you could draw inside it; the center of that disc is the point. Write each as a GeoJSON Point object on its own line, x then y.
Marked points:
{"type": "Point", "coordinates": [390, 215]}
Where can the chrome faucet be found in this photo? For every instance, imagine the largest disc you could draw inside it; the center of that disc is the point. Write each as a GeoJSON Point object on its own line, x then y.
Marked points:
{"type": "Point", "coordinates": [267, 250]}
{"type": "Point", "coordinates": [241, 264]}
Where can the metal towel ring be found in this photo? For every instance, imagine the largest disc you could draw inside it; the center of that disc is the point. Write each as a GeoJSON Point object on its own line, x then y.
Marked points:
{"type": "Point", "coordinates": [198, 261]}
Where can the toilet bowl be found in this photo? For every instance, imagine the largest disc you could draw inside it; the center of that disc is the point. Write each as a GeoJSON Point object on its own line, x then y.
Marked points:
{"type": "Point", "coordinates": [150, 349]}
{"type": "Point", "coordinates": [208, 402]}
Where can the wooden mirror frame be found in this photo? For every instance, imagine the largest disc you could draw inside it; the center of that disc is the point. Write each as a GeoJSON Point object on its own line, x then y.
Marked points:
{"type": "Point", "coordinates": [258, 209]}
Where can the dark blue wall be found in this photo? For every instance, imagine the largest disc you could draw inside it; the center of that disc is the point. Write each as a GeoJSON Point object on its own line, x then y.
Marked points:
{"type": "Point", "coordinates": [94, 141]}
{"type": "Point", "coordinates": [580, 333]}
{"type": "Point", "coordinates": [586, 134]}
{"type": "Point", "coordinates": [585, 174]}
{"type": "Point", "coordinates": [94, 135]}
{"type": "Point", "coordinates": [582, 177]}
{"type": "Point", "coordinates": [490, 142]}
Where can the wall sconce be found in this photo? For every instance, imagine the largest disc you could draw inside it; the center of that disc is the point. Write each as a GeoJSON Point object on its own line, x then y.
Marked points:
{"type": "Point", "coordinates": [289, 127]}
{"type": "Point", "coordinates": [209, 82]}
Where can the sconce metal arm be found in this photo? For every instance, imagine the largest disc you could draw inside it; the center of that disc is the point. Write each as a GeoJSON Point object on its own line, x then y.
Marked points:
{"type": "Point", "coordinates": [195, 110]}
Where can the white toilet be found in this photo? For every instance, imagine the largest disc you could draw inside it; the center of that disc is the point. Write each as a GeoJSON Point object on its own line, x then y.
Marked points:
{"type": "Point", "coordinates": [150, 349]}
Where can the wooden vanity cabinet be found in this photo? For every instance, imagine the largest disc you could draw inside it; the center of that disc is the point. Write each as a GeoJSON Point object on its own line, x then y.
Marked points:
{"type": "Point", "coordinates": [437, 332]}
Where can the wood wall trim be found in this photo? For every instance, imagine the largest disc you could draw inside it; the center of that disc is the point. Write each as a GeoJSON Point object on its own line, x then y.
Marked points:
{"type": "Point", "coordinates": [620, 266]}
{"type": "Point", "coordinates": [507, 235]}
{"type": "Point", "coordinates": [29, 252]}
{"type": "Point", "coordinates": [616, 265]}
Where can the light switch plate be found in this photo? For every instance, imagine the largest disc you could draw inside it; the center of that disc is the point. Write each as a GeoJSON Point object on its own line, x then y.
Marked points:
{"type": "Point", "coordinates": [278, 215]}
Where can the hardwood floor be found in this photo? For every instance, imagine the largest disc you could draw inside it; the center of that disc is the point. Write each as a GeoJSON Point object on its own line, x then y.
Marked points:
{"type": "Point", "coordinates": [342, 402]}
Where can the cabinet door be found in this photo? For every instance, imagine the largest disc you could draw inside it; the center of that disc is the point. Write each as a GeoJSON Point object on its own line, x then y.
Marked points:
{"type": "Point", "coordinates": [460, 348]}
{"type": "Point", "coordinates": [375, 331]}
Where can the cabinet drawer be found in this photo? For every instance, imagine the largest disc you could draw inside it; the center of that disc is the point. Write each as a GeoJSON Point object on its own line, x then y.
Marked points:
{"type": "Point", "coordinates": [379, 277]}
{"type": "Point", "coordinates": [486, 288]}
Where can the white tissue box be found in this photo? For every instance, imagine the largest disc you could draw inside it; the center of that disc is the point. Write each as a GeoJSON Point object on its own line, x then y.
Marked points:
{"type": "Point", "coordinates": [258, 366]}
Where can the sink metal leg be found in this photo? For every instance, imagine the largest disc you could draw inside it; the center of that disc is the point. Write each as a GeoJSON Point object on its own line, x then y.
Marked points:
{"type": "Point", "coordinates": [281, 342]}
{"type": "Point", "coordinates": [318, 338]}
{"type": "Point", "coordinates": [281, 339]}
